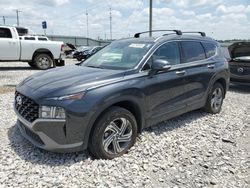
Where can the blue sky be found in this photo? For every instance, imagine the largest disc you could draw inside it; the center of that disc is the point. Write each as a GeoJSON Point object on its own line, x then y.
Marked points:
{"type": "Point", "coordinates": [221, 19]}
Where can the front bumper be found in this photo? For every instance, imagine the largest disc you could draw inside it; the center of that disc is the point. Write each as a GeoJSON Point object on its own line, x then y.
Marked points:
{"type": "Point", "coordinates": [48, 134]}
{"type": "Point", "coordinates": [240, 80]}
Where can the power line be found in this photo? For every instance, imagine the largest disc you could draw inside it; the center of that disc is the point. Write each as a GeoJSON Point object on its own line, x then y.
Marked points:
{"type": "Point", "coordinates": [110, 23]}
{"type": "Point", "coordinates": [3, 20]}
{"type": "Point", "coordinates": [17, 16]}
{"type": "Point", "coordinates": [150, 17]}
{"type": "Point", "coordinates": [87, 21]}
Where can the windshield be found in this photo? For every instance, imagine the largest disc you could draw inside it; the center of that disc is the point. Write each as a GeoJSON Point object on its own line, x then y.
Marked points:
{"type": "Point", "coordinates": [82, 48]}
{"type": "Point", "coordinates": [119, 55]}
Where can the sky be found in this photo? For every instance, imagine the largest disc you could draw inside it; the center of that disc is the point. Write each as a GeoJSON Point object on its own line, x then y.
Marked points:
{"type": "Point", "coordinates": [220, 19]}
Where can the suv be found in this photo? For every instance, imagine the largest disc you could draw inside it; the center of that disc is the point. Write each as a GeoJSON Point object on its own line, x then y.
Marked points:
{"type": "Point", "coordinates": [239, 63]}
{"type": "Point", "coordinates": [103, 103]}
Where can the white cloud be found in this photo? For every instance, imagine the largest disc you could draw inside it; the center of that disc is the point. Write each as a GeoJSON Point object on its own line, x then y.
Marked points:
{"type": "Point", "coordinates": [187, 12]}
{"type": "Point", "coordinates": [233, 9]}
{"type": "Point", "coordinates": [120, 4]}
{"type": "Point", "coordinates": [193, 3]}
{"type": "Point", "coordinates": [130, 16]}
{"type": "Point", "coordinates": [52, 2]}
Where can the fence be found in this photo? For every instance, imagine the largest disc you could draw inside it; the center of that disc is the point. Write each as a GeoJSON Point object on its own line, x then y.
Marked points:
{"type": "Point", "coordinates": [78, 41]}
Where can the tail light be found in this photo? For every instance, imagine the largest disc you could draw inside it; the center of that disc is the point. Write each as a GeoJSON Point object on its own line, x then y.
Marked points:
{"type": "Point", "coordinates": [62, 47]}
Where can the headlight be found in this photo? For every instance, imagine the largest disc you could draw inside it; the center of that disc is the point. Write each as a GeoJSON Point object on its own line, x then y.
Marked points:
{"type": "Point", "coordinates": [52, 112]}
{"type": "Point", "coordinates": [75, 96]}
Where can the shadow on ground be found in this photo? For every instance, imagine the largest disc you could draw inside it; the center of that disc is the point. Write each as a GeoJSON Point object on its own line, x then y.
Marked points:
{"type": "Point", "coordinates": [240, 89]}
{"type": "Point", "coordinates": [16, 68]}
{"type": "Point", "coordinates": [26, 151]}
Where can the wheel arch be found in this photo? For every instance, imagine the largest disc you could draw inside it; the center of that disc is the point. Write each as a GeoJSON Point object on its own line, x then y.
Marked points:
{"type": "Point", "coordinates": [42, 51]}
{"type": "Point", "coordinates": [223, 82]}
{"type": "Point", "coordinates": [128, 104]}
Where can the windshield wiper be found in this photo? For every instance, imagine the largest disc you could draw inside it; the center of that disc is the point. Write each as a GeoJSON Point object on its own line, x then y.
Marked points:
{"type": "Point", "coordinates": [94, 66]}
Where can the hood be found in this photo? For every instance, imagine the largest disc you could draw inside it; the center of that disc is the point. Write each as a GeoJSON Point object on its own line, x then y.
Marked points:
{"type": "Point", "coordinates": [68, 80]}
{"type": "Point", "coordinates": [239, 49]}
{"type": "Point", "coordinates": [71, 46]}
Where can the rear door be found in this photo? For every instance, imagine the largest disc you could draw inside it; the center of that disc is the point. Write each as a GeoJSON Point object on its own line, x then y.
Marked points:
{"type": "Point", "coordinates": [200, 67]}
{"type": "Point", "coordinates": [9, 45]}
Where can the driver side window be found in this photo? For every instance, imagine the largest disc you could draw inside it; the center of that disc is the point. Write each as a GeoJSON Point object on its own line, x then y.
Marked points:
{"type": "Point", "coordinates": [169, 52]}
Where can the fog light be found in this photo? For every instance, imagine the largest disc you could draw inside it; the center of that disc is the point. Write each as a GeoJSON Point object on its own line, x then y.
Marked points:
{"type": "Point", "coordinates": [52, 112]}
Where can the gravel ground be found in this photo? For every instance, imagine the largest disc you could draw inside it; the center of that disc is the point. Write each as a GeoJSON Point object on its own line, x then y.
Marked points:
{"type": "Point", "coordinates": [193, 150]}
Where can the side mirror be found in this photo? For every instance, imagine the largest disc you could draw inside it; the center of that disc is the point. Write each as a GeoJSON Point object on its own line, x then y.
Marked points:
{"type": "Point", "coordinates": [159, 65]}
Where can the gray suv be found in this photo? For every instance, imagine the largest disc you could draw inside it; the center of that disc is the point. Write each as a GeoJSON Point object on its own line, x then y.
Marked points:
{"type": "Point", "coordinates": [103, 103]}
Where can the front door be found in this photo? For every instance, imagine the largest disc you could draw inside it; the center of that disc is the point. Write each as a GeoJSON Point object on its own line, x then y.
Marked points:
{"type": "Point", "coordinates": [9, 46]}
{"type": "Point", "coordinates": [165, 91]}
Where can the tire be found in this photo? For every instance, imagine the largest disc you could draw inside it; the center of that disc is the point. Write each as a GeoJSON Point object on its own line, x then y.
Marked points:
{"type": "Point", "coordinates": [79, 59]}
{"type": "Point", "coordinates": [109, 138]}
{"type": "Point", "coordinates": [43, 61]}
{"type": "Point", "coordinates": [31, 64]}
{"type": "Point", "coordinates": [215, 99]}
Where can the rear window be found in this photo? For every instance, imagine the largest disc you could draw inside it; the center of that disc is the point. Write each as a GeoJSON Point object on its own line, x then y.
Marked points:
{"type": "Point", "coordinates": [41, 38]}
{"type": "Point", "coordinates": [241, 51]}
{"type": "Point", "coordinates": [210, 49]}
{"type": "Point", "coordinates": [29, 38]}
{"type": "Point", "coordinates": [192, 51]}
{"type": "Point", "coordinates": [5, 33]}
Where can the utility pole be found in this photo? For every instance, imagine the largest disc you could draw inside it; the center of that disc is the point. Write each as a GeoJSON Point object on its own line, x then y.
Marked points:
{"type": "Point", "coordinates": [150, 17]}
{"type": "Point", "coordinates": [3, 20]}
{"type": "Point", "coordinates": [110, 23]}
{"type": "Point", "coordinates": [17, 16]}
{"type": "Point", "coordinates": [87, 23]}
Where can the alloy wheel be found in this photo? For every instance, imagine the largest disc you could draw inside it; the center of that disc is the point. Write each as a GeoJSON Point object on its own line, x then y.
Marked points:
{"type": "Point", "coordinates": [217, 98]}
{"type": "Point", "coordinates": [117, 136]}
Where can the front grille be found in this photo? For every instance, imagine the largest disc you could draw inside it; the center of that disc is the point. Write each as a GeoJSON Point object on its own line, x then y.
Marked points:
{"type": "Point", "coordinates": [26, 107]}
{"type": "Point", "coordinates": [32, 135]}
{"type": "Point", "coordinates": [240, 70]}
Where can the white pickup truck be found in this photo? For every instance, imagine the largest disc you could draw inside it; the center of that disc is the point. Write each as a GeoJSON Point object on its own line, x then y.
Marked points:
{"type": "Point", "coordinates": [38, 53]}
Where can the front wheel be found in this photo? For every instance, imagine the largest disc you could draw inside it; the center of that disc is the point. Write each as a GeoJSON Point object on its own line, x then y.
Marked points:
{"type": "Point", "coordinates": [43, 61]}
{"type": "Point", "coordinates": [114, 134]}
{"type": "Point", "coordinates": [215, 99]}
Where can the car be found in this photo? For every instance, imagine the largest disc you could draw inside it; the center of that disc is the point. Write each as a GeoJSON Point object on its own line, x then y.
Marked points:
{"type": "Point", "coordinates": [105, 102]}
{"type": "Point", "coordinates": [79, 50]}
{"type": "Point", "coordinates": [240, 63]}
{"type": "Point", "coordinates": [83, 55]}
{"type": "Point", "coordinates": [69, 49]}
{"type": "Point", "coordinates": [36, 50]}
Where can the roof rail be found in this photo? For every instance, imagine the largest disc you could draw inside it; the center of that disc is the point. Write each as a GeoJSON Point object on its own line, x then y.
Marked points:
{"type": "Point", "coordinates": [203, 34]}
{"type": "Point", "coordinates": [137, 35]}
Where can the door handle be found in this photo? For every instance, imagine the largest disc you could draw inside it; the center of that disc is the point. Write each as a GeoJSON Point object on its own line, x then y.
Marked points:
{"type": "Point", "coordinates": [180, 73]}
{"type": "Point", "coordinates": [210, 66]}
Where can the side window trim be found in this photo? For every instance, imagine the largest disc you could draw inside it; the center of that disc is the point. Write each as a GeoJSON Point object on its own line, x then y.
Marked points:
{"type": "Point", "coordinates": [151, 54]}
{"type": "Point", "coordinates": [216, 49]}
{"type": "Point", "coordinates": [182, 51]}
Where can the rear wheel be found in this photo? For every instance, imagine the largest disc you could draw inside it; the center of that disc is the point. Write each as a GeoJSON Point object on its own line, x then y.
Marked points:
{"type": "Point", "coordinates": [114, 134]}
{"type": "Point", "coordinates": [215, 99]}
{"type": "Point", "coordinates": [43, 61]}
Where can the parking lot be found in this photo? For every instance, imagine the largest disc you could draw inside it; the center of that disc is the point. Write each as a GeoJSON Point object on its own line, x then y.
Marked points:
{"type": "Point", "coordinates": [194, 150]}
